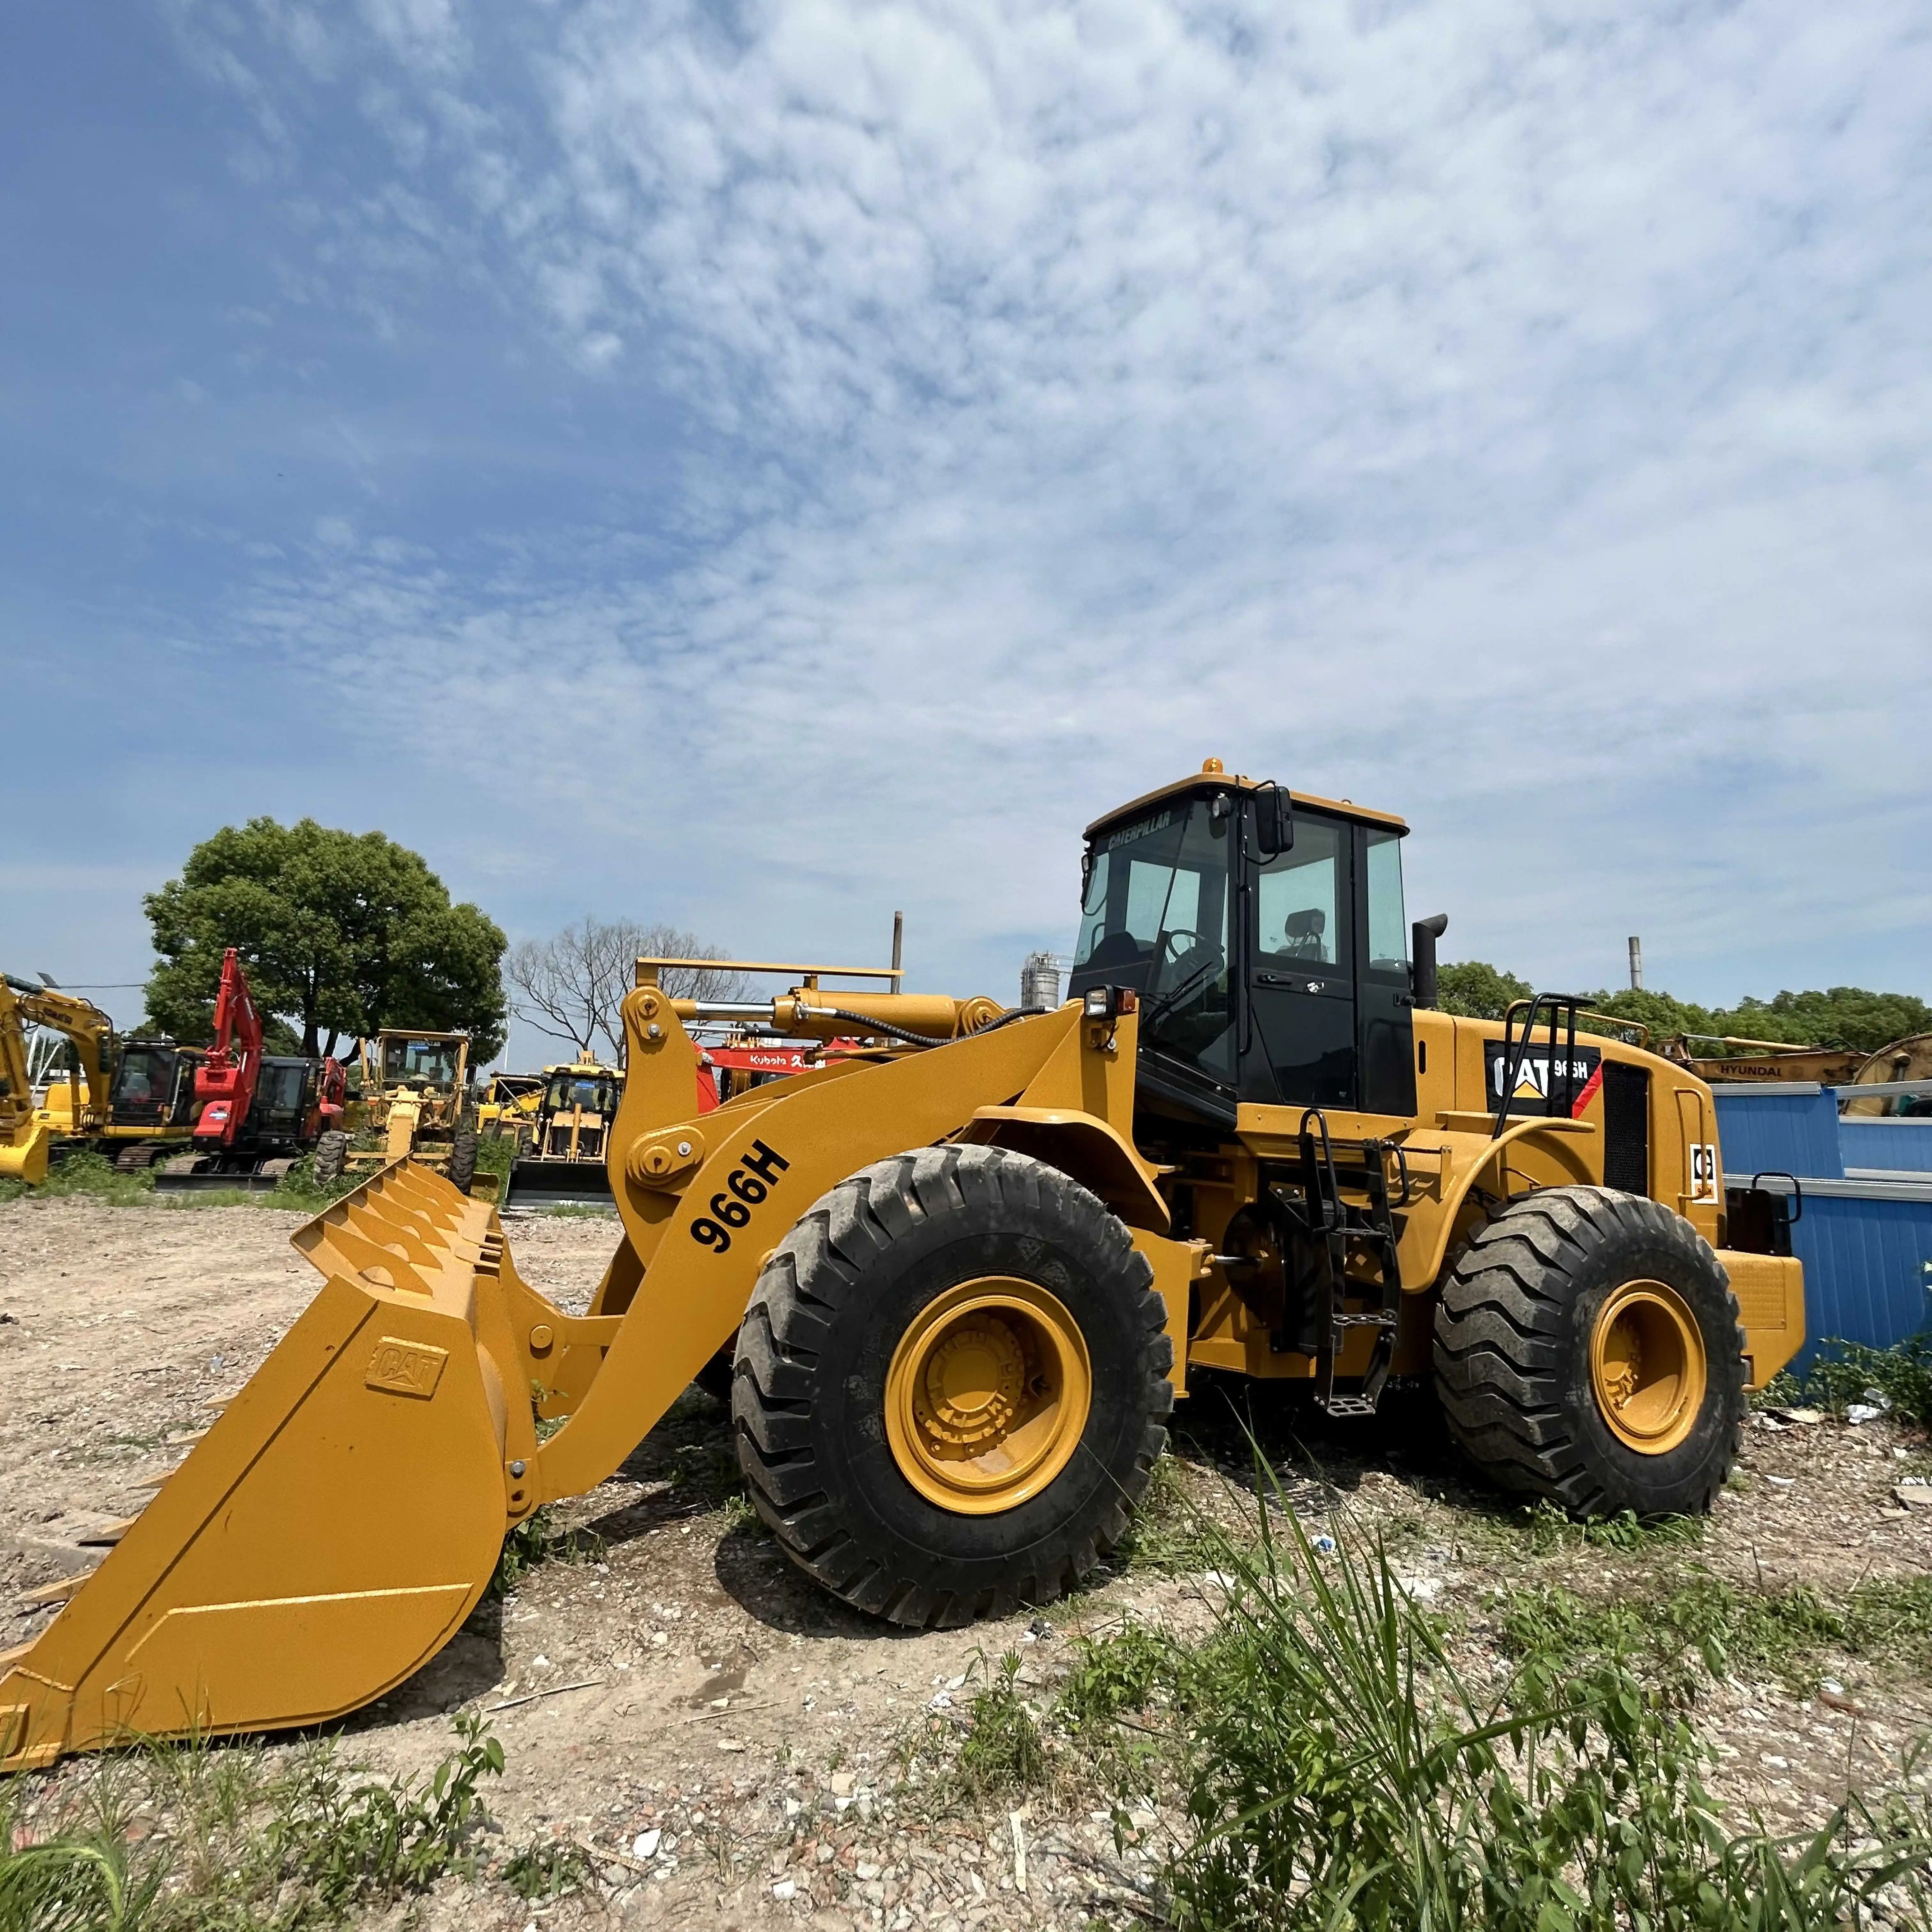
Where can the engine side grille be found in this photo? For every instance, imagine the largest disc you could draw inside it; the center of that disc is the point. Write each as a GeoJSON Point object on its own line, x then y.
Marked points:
{"type": "Point", "coordinates": [1626, 1127]}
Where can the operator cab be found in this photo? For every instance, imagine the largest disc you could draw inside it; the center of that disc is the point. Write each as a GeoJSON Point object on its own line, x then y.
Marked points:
{"type": "Point", "coordinates": [1263, 933]}
{"type": "Point", "coordinates": [153, 1085]}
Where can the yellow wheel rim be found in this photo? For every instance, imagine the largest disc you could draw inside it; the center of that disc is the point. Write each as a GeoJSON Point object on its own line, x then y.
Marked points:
{"type": "Point", "coordinates": [988, 1395]}
{"type": "Point", "coordinates": [1647, 1366]}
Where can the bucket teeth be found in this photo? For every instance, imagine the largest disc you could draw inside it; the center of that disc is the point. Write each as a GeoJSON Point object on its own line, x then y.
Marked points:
{"type": "Point", "coordinates": [108, 1534]}
{"type": "Point", "coordinates": [57, 1592]}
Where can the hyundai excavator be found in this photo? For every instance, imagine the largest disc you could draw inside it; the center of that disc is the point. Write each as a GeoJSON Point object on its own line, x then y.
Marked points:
{"type": "Point", "coordinates": [28, 1130]}
{"type": "Point", "coordinates": [964, 1276]}
{"type": "Point", "coordinates": [255, 1114]}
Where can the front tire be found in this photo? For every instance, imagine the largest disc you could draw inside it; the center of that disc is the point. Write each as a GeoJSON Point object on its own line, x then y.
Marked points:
{"type": "Point", "coordinates": [1587, 1350]}
{"type": "Point", "coordinates": [951, 1386]}
{"type": "Point", "coordinates": [462, 1159]}
{"type": "Point", "coordinates": [331, 1157]}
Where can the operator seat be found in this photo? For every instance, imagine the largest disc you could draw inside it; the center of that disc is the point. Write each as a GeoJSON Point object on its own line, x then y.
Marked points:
{"type": "Point", "coordinates": [1302, 935]}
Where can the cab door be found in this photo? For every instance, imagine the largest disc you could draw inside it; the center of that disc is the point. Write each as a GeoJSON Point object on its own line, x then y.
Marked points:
{"type": "Point", "coordinates": [1300, 1049]}
{"type": "Point", "coordinates": [1384, 1003]}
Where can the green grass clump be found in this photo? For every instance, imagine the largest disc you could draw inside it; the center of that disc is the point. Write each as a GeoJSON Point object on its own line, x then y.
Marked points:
{"type": "Point", "coordinates": [1112, 1676]}
{"type": "Point", "coordinates": [1340, 1773]}
{"type": "Point", "coordinates": [1004, 1752]}
{"type": "Point", "coordinates": [1343, 1774]}
{"type": "Point", "coordinates": [1901, 1374]}
{"type": "Point", "coordinates": [547, 1868]}
{"type": "Point", "coordinates": [1168, 1534]}
{"type": "Point", "coordinates": [1779, 1633]}
{"type": "Point", "coordinates": [85, 1173]}
{"type": "Point", "coordinates": [1546, 1529]}
{"type": "Point", "coordinates": [196, 1837]}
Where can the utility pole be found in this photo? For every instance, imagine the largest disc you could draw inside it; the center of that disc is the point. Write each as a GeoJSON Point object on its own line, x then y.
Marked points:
{"type": "Point", "coordinates": [1637, 964]}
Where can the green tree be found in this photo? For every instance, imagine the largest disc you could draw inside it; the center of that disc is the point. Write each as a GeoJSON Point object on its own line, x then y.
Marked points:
{"type": "Point", "coordinates": [341, 933]}
{"type": "Point", "coordinates": [1849, 1017]}
{"type": "Point", "coordinates": [1477, 990]}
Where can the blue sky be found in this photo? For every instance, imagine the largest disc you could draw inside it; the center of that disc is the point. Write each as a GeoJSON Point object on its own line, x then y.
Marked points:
{"type": "Point", "coordinates": [758, 467]}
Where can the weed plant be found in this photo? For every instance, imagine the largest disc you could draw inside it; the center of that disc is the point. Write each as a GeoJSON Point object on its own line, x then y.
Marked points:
{"type": "Point", "coordinates": [1004, 1752]}
{"type": "Point", "coordinates": [1852, 1372]}
{"type": "Point", "coordinates": [1340, 1772]}
{"type": "Point", "coordinates": [538, 1539]}
{"type": "Point", "coordinates": [200, 1838]}
{"type": "Point", "coordinates": [1779, 1633]}
{"type": "Point", "coordinates": [547, 1868]}
{"type": "Point", "coordinates": [1344, 1773]}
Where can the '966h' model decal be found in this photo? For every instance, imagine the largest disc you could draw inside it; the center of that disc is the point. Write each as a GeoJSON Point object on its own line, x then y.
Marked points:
{"type": "Point", "coordinates": [747, 1184]}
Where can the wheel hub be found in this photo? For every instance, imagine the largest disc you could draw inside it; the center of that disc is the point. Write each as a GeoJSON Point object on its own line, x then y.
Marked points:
{"type": "Point", "coordinates": [1647, 1366]}
{"type": "Point", "coordinates": [988, 1395]}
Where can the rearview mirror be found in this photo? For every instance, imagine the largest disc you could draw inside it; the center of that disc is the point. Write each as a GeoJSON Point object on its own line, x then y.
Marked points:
{"type": "Point", "coordinates": [1274, 821]}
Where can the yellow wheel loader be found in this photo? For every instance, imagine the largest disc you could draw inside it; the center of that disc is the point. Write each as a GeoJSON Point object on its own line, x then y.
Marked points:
{"type": "Point", "coordinates": [965, 1274]}
{"type": "Point", "coordinates": [28, 1131]}
{"type": "Point", "coordinates": [565, 1165]}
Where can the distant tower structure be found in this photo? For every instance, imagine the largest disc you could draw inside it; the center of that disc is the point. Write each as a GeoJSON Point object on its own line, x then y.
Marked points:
{"type": "Point", "coordinates": [1637, 964]}
{"type": "Point", "coordinates": [1040, 980]}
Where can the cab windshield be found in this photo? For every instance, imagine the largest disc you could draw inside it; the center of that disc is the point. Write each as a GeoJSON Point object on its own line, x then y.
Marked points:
{"type": "Point", "coordinates": [144, 1078]}
{"type": "Point", "coordinates": [428, 1063]}
{"type": "Point", "coordinates": [595, 1093]}
{"type": "Point", "coordinates": [1155, 918]}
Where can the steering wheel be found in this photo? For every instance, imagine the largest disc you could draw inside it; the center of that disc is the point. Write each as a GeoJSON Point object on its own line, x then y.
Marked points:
{"type": "Point", "coordinates": [1173, 954]}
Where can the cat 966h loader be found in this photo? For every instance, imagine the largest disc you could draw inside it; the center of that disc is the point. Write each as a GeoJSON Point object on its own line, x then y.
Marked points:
{"type": "Point", "coordinates": [965, 1276]}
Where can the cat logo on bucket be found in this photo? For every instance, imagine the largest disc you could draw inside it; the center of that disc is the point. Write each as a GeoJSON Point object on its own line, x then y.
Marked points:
{"type": "Point", "coordinates": [405, 1368]}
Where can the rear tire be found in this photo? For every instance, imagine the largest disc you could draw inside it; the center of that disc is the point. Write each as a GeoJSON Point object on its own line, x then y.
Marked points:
{"type": "Point", "coordinates": [331, 1157]}
{"type": "Point", "coordinates": [462, 1159]}
{"type": "Point", "coordinates": [827, 1324]}
{"type": "Point", "coordinates": [1520, 1389]}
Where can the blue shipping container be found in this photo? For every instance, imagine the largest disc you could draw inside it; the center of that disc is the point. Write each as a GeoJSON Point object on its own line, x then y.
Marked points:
{"type": "Point", "coordinates": [1789, 1129]}
{"type": "Point", "coordinates": [1892, 1146]}
{"type": "Point", "coordinates": [1866, 1244]}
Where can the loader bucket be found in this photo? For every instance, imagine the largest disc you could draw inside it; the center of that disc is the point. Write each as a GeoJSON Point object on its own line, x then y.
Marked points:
{"type": "Point", "coordinates": [336, 1524]}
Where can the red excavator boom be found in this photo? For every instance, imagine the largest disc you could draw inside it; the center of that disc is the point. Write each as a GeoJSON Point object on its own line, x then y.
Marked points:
{"type": "Point", "coordinates": [224, 1084]}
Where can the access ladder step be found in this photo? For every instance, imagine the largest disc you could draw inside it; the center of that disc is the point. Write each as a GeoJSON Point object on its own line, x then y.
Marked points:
{"type": "Point", "coordinates": [1349, 1405]}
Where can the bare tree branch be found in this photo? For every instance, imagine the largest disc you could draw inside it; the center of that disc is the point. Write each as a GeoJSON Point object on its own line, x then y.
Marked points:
{"type": "Point", "coordinates": [570, 986]}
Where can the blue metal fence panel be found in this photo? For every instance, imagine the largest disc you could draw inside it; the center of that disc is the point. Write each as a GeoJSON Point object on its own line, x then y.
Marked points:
{"type": "Point", "coordinates": [1790, 1131]}
{"type": "Point", "coordinates": [1898, 1147]}
{"type": "Point", "coordinates": [1867, 1269]}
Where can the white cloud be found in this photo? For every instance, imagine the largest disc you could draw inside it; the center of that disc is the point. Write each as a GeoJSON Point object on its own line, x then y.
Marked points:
{"type": "Point", "coordinates": [1519, 420]}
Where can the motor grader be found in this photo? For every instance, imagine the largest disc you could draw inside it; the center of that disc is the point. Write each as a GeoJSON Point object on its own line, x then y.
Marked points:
{"type": "Point", "coordinates": [966, 1274]}
{"type": "Point", "coordinates": [414, 1094]}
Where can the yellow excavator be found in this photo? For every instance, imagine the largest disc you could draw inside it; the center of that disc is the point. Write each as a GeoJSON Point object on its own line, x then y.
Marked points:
{"type": "Point", "coordinates": [965, 1273]}
{"type": "Point", "coordinates": [28, 1130]}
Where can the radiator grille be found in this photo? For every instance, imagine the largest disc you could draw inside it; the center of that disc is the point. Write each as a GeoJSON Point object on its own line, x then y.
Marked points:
{"type": "Point", "coordinates": [1626, 1127]}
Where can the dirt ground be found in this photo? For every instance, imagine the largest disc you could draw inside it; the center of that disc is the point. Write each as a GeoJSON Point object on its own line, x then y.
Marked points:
{"type": "Point", "coordinates": [726, 1746]}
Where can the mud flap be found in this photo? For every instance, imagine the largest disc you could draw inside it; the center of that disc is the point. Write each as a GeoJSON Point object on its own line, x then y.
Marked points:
{"type": "Point", "coordinates": [338, 1523]}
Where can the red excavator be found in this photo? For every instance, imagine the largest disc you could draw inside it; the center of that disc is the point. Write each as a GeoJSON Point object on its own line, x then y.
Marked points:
{"type": "Point", "coordinates": [256, 1113]}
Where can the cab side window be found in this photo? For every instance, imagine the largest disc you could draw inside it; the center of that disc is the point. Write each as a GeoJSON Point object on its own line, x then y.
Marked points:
{"type": "Point", "coordinates": [1301, 903]}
